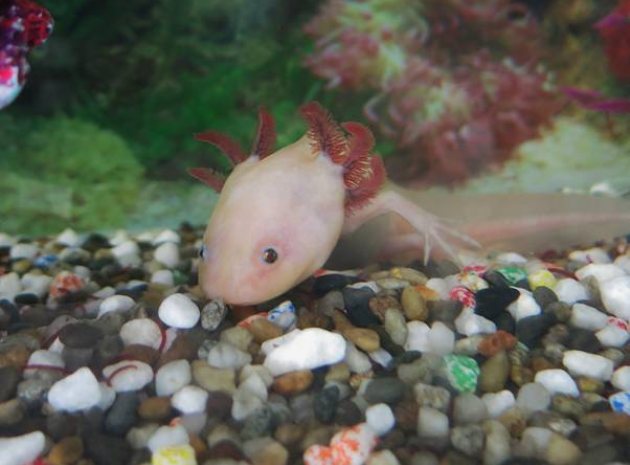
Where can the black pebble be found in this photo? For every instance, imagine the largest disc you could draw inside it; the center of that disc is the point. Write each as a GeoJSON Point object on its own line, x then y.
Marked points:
{"type": "Point", "coordinates": [122, 414]}
{"type": "Point", "coordinates": [80, 336]}
{"type": "Point", "coordinates": [387, 390]}
{"type": "Point", "coordinates": [496, 279]}
{"type": "Point", "coordinates": [357, 303]}
{"type": "Point", "coordinates": [544, 296]}
{"type": "Point", "coordinates": [585, 340]}
{"type": "Point", "coordinates": [106, 450]}
{"type": "Point", "coordinates": [531, 329]}
{"type": "Point", "coordinates": [492, 301]}
{"type": "Point", "coordinates": [330, 282]}
{"type": "Point", "coordinates": [325, 404]}
{"type": "Point", "coordinates": [348, 413]}
{"type": "Point", "coordinates": [505, 321]}
{"type": "Point", "coordinates": [9, 378]}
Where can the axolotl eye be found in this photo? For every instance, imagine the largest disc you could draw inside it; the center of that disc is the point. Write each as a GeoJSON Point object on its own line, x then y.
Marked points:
{"type": "Point", "coordinates": [203, 252]}
{"type": "Point", "coordinates": [270, 255]}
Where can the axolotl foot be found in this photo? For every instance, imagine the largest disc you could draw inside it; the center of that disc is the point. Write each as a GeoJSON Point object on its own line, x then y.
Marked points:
{"type": "Point", "coordinates": [425, 232]}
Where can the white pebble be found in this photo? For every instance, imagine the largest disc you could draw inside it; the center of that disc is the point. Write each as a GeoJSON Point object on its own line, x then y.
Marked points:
{"type": "Point", "coordinates": [440, 286]}
{"type": "Point", "coordinates": [417, 336]}
{"type": "Point", "coordinates": [580, 363]}
{"type": "Point", "coordinates": [511, 258]}
{"type": "Point", "coordinates": [441, 339]}
{"type": "Point", "coordinates": [570, 291]}
{"type": "Point", "coordinates": [621, 378]}
{"type": "Point", "coordinates": [23, 251]}
{"type": "Point", "coordinates": [44, 358]}
{"type": "Point", "coordinates": [128, 375]}
{"type": "Point", "coordinates": [78, 391]}
{"type": "Point", "coordinates": [22, 450]}
{"type": "Point", "coordinates": [164, 277]}
{"type": "Point", "coordinates": [255, 385]}
{"type": "Point", "coordinates": [305, 350]}
{"type": "Point", "coordinates": [172, 376]}
{"type": "Point", "coordinates": [623, 262]}
{"type": "Point", "coordinates": [587, 317]}
{"type": "Point", "coordinates": [593, 255]}
{"type": "Point", "coordinates": [119, 237]}
{"type": "Point", "coordinates": [168, 235]}
{"type": "Point", "coordinates": [382, 357]}
{"type": "Point", "coordinates": [38, 284]}
{"type": "Point", "coordinates": [602, 272]}
{"type": "Point", "coordinates": [432, 424]}
{"type": "Point", "coordinates": [190, 399]}
{"type": "Point", "coordinates": [68, 238]}
{"type": "Point", "coordinates": [167, 254]}
{"type": "Point", "coordinates": [524, 306]}
{"type": "Point", "coordinates": [256, 370]}
{"type": "Point", "coordinates": [557, 381]}
{"type": "Point", "coordinates": [143, 331]}
{"type": "Point", "coordinates": [469, 323]}
{"type": "Point", "coordinates": [6, 240]}
{"type": "Point", "coordinates": [115, 303]}
{"type": "Point", "coordinates": [382, 457]}
{"type": "Point", "coordinates": [178, 311]}
{"type": "Point", "coordinates": [244, 403]}
{"type": "Point", "coordinates": [356, 360]}
{"type": "Point", "coordinates": [127, 253]}
{"type": "Point", "coordinates": [380, 418]}
{"type": "Point", "coordinates": [108, 396]}
{"type": "Point", "coordinates": [612, 336]}
{"type": "Point", "coordinates": [226, 355]}
{"type": "Point", "coordinates": [615, 295]}
{"type": "Point", "coordinates": [498, 403]}
{"type": "Point", "coordinates": [533, 397]}
{"type": "Point", "coordinates": [167, 436]}
{"type": "Point", "coordinates": [9, 285]}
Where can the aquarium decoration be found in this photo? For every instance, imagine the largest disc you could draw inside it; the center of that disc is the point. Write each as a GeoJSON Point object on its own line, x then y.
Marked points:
{"type": "Point", "coordinates": [23, 26]}
{"type": "Point", "coordinates": [614, 30]}
{"type": "Point", "coordinates": [457, 86]}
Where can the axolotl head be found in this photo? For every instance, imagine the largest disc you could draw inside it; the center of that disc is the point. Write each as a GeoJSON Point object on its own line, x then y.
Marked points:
{"type": "Point", "coordinates": [279, 215]}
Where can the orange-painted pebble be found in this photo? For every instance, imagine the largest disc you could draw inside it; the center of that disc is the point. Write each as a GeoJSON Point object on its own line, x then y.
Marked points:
{"type": "Point", "coordinates": [65, 283]}
{"type": "Point", "coordinates": [494, 343]}
{"type": "Point", "coordinates": [350, 446]}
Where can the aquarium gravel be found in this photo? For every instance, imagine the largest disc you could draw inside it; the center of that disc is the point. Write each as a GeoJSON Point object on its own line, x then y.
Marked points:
{"type": "Point", "coordinates": [110, 355]}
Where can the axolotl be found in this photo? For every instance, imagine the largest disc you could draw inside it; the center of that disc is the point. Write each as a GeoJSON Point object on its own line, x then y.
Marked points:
{"type": "Point", "coordinates": [325, 198]}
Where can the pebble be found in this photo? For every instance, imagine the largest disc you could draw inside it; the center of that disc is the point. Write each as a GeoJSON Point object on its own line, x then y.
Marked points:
{"type": "Point", "coordinates": [432, 424]}
{"type": "Point", "coordinates": [435, 397]}
{"type": "Point", "coordinates": [190, 399]}
{"type": "Point", "coordinates": [283, 316]}
{"type": "Point", "coordinates": [155, 408]}
{"type": "Point", "coordinates": [462, 372]}
{"type": "Point", "coordinates": [498, 403]}
{"type": "Point", "coordinates": [225, 355]}
{"type": "Point", "coordinates": [380, 418]}
{"type": "Point", "coordinates": [581, 363]}
{"type": "Point", "coordinates": [350, 446]}
{"type": "Point", "coordinates": [76, 392]}
{"type": "Point", "coordinates": [213, 314]}
{"type": "Point", "coordinates": [167, 254]}
{"type": "Point", "coordinates": [612, 335]}
{"type": "Point", "coordinates": [587, 317]}
{"type": "Point", "coordinates": [317, 347]}
{"type": "Point", "coordinates": [143, 331]}
{"type": "Point", "coordinates": [67, 451]}
{"type": "Point", "coordinates": [178, 311]}
{"type": "Point", "coordinates": [383, 390]}
{"type": "Point", "coordinates": [494, 373]}
{"type": "Point", "coordinates": [168, 436]}
{"type": "Point", "coordinates": [557, 381]}
{"type": "Point", "coordinates": [122, 414]}
{"type": "Point", "coordinates": [615, 295]}
{"type": "Point", "coordinates": [174, 455]}
{"type": "Point", "coordinates": [620, 402]}
{"type": "Point", "coordinates": [468, 439]}
{"type": "Point", "coordinates": [172, 377]}
{"type": "Point", "coordinates": [468, 323]}
{"type": "Point", "coordinates": [128, 375]}
{"type": "Point", "coordinates": [621, 378]}
{"type": "Point", "coordinates": [533, 397]}
{"type": "Point", "coordinates": [21, 450]}
{"type": "Point", "coordinates": [213, 379]}
{"type": "Point", "coordinates": [524, 306]}
{"type": "Point", "coordinates": [469, 409]}
{"type": "Point", "coordinates": [293, 383]}
{"type": "Point", "coordinates": [115, 303]}
{"type": "Point", "coordinates": [9, 378]}
{"type": "Point", "coordinates": [571, 291]}
{"type": "Point", "coordinates": [413, 304]}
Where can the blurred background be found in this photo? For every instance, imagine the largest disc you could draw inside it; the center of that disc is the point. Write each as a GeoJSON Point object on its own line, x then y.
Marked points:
{"type": "Point", "coordinates": [467, 95]}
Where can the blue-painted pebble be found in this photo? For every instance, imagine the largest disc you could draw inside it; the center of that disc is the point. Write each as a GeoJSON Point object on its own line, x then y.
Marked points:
{"type": "Point", "coordinates": [283, 315]}
{"type": "Point", "coordinates": [620, 402]}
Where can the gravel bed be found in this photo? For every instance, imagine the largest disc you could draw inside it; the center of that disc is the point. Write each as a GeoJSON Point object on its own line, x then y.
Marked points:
{"type": "Point", "coordinates": [111, 355]}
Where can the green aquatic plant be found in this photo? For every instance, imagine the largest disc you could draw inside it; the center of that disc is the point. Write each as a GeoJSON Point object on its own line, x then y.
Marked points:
{"type": "Point", "coordinates": [65, 172]}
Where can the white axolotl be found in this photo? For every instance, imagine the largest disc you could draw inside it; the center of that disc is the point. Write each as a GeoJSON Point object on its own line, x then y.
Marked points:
{"type": "Point", "coordinates": [281, 215]}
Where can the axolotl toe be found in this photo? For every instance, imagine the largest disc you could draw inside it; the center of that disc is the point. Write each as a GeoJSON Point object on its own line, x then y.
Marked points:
{"type": "Point", "coordinates": [281, 214]}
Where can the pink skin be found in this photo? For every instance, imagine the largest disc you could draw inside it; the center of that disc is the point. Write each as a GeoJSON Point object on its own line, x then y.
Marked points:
{"type": "Point", "coordinates": [297, 202]}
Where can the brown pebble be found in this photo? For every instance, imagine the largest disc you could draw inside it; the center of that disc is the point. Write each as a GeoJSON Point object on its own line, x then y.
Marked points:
{"type": "Point", "coordinates": [225, 449]}
{"type": "Point", "coordinates": [614, 422]}
{"type": "Point", "coordinates": [198, 444]}
{"type": "Point", "coordinates": [11, 412]}
{"type": "Point", "coordinates": [365, 339]}
{"type": "Point", "coordinates": [381, 303]}
{"type": "Point", "coordinates": [141, 353]}
{"type": "Point", "coordinates": [289, 434]}
{"type": "Point", "coordinates": [155, 408]}
{"type": "Point", "coordinates": [540, 363]}
{"type": "Point", "coordinates": [15, 356]}
{"type": "Point", "coordinates": [341, 321]}
{"type": "Point", "coordinates": [414, 304]}
{"type": "Point", "coordinates": [514, 421]}
{"type": "Point", "coordinates": [406, 414]}
{"type": "Point", "coordinates": [338, 372]}
{"type": "Point", "coordinates": [262, 329]}
{"type": "Point", "coordinates": [494, 343]}
{"type": "Point", "coordinates": [494, 373]}
{"type": "Point", "coordinates": [66, 452]}
{"type": "Point", "coordinates": [590, 385]}
{"type": "Point", "coordinates": [183, 347]}
{"type": "Point", "coordinates": [293, 383]}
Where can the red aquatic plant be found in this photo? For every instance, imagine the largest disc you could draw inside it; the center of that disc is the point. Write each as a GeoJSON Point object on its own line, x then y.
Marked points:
{"type": "Point", "coordinates": [456, 85]}
{"type": "Point", "coordinates": [614, 30]}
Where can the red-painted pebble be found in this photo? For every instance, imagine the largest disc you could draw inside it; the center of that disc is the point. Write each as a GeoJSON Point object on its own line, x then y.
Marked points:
{"type": "Point", "coordinates": [65, 283]}
{"type": "Point", "coordinates": [351, 446]}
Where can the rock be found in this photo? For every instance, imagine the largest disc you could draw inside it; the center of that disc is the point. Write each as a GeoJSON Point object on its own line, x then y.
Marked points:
{"type": "Point", "coordinates": [498, 403]}
{"type": "Point", "coordinates": [620, 402]}
{"type": "Point", "coordinates": [435, 397]}
{"type": "Point", "coordinates": [155, 408]}
{"type": "Point", "coordinates": [557, 381]}
{"type": "Point", "coordinates": [621, 378]}
{"type": "Point", "coordinates": [494, 343]}
{"type": "Point", "coordinates": [533, 397]}
{"type": "Point", "coordinates": [469, 409]}
{"type": "Point", "coordinates": [380, 418]}
{"type": "Point", "coordinates": [266, 451]}
{"type": "Point", "coordinates": [413, 304]}
{"type": "Point", "coordinates": [571, 291]}
{"type": "Point", "coordinates": [172, 377]}
{"type": "Point", "coordinates": [317, 347]}
{"type": "Point", "coordinates": [462, 372]}
{"type": "Point", "coordinates": [584, 340]}
{"type": "Point", "coordinates": [357, 306]}
{"type": "Point", "coordinates": [263, 330]}
{"type": "Point", "coordinates": [494, 373]}
{"type": "Point", "coordinates": [432, 424]}
{"type": "Point", "coordinates": [128, 375]}
{"type": "Point", "coordinates": [581, 363]}
{"type": "Point", "coordinates": [441, 340]}
{"type": "Point", "coordinates": [168, 436]}
{"type": "Point", "coordinates": [382, 457]}
{"type": "Point", "coordinates": [67, 451]}
{"type": "Point", "coordinates": [365, 339]}
{"type": "Point", "coordinates": [21, 450]}
{"type": "Point", "coordinates": [213, 379]}
{"type": "Point", "coordinates": [106, 450]}
{"type": "Point", "coordinates": [587, 317]}
{"type": "Point", "coordinates": [9, 378]}
{"type": "Point", "coordinates": [167, 254]}
{"type": "Point", "coordinates": [469, 323]}
{"type": "Point", "coordinates": [325, 404]}
{"type": "Point", "coordinates": [122, 414]}
{"type": "Point", "coordinates": [78, 391]}
{"type": "Point", "coordinates": [11, 413]}
{"type": "Point", "coordinates": [384, 390]}
{"type": "Point", "coordinates": [493, 301]}
{"type": "Point", "coordinates": [80, 336]}
{"type": "Point", "coordinates": [190, 399]}
{"type": "Point", "coordinates": [468, 439]}
{"type": "Point", "coordinates": [115, 303]}
{"type": "Point", "coordinates": [561, 451]}
{"type": "Point", "coordinates": [351, 446]}
{"type": "Point", "coordinates": [293, 383]}
{"type": "Point", "coordinates": [143, 331]}
{"type": "Point", "coordinates": [615, 295]}
{"type": "Point", "coordinates": [226, 355]}
{"type": "Point", "coordinates": [178, 311]}
{"type": "Point", "coordinates": [531, 329]}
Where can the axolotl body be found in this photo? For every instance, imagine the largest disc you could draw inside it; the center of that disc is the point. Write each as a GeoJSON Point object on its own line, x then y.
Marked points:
{"type": "Point", "coordinates": [280, 216]}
